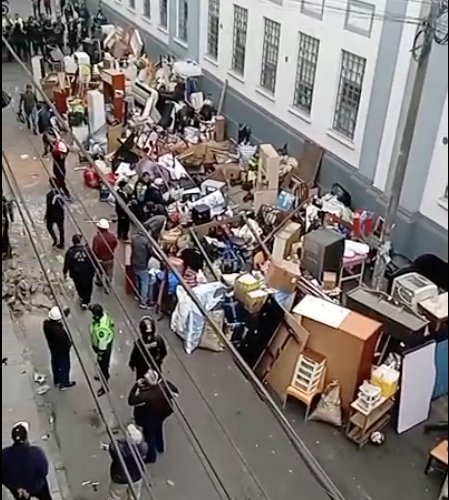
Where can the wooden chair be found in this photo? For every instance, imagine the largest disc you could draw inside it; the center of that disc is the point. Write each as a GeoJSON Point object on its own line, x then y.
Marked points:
{"type": "Point", "coordinates": [308, 380]}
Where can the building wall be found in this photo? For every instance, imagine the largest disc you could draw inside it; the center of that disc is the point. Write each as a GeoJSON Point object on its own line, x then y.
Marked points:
{"type": "Point", "coordinates": [434, 203]}
{"type": "Point", "coordinates": [364, 166]}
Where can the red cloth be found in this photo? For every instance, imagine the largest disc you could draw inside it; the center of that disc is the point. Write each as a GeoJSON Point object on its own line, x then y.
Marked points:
{"type": "Point", "coordinates": [104, 246]}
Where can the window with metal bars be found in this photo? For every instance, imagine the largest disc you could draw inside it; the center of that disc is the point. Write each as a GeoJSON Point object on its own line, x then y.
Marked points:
{"type": "Point", "coordinates": [309, 48]}
{"type": "Point", "coordinates": [163, 14]}
{"type": "Point", "coordinates": [183, 20]}
{"type": "Point", "coordinates": [132, 4]}
{"type": "Point", "coordinates": [147, 8]}
{"type": "Point", "coordinates": [270, 57]}
{"type": "Point", "coordinates": [240, 36]}
{"type": "Point", "coordinates": [349, 94]}
{"type": "Point", "coordinates": [213, 28]}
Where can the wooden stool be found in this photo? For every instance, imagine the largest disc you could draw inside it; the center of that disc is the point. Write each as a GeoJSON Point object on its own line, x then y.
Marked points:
{"type": "Point", "coordinates": [439, 455]}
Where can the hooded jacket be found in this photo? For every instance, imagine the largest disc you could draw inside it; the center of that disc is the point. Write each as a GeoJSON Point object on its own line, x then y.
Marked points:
{"type": "Point", "coordinates": [118, 475]}
{"type": "Point", "coordinates": [152, 403]}
{"type": "Point", "coordinates": [57, 337]}
{"type": "Point", "coordinates": [79, 262]}
{"type": "Point", "coordinates": [24, 467]}
{"type": "Point", "coordinates": [157, 350]}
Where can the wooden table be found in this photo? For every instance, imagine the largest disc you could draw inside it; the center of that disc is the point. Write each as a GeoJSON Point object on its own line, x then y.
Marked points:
{"type": "Point", "coordinates": [362, 425]}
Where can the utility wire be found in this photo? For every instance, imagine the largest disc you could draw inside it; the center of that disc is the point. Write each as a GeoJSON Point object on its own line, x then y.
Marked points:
{"type": "Point", "coordinates": [168, 394]}
{"type": "Point", "coordinates": [24, 214]}
{"type": "Point", "coordinates": [313, 465]}
{"type": "Point", "coordinates": [198, 449]}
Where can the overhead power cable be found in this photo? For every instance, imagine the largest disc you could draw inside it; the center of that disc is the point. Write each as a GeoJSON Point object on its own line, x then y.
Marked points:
{"type": "Point", "coordinates": [26, 216]}
{"type": "Point", "coordinates": [313, 465]}
{"type": "Point", "coordinates": [144, 351]}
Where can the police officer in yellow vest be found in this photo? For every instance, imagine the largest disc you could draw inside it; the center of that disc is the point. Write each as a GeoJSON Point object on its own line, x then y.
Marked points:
{"type": "Point", "coordinates": [102, 333]}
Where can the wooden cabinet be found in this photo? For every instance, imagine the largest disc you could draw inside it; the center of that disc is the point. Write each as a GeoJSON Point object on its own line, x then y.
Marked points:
{"type": "Point", "coordinates": [346, 339]}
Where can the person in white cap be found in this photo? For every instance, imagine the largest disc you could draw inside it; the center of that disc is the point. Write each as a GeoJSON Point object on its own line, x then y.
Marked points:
{"type": "Point", "coordinates": [59, 344]}
{"type": "Point", "coordinates": [104, 246]}
{"type": "Point", "coordinates": [25, 467]}
{"type": "Point", "coordinates": [127, 451]}
{"type": "Point", "coordinates": [151, 398]}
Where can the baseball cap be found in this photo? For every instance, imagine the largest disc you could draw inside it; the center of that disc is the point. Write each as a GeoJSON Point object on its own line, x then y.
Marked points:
{"type": "Point", "coordinates": [20, 432]}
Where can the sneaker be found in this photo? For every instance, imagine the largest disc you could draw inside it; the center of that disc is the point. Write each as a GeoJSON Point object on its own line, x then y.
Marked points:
{"type": "Point", "coordinates": [101, 392]}
{"type": "Point", "coordinates": [142, 305]}
{"type": "Point", "coordinates": [68, 386]}
{"type": "Point", "coordinates": [85, 307]}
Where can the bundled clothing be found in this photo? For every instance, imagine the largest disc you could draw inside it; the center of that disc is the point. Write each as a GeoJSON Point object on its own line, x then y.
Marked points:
{"type": "Point", "coordinates": [25, 467]}
{"type": "Point", "coordinates": [79, 265]}
{"type": "Point", "coordinates": [59, 344]}
{"type": "Point", "coordinates": [153, 348]}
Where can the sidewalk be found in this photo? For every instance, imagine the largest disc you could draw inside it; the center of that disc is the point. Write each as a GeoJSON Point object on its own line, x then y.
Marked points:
{"type": "Point", "coordinates": [19, 402]}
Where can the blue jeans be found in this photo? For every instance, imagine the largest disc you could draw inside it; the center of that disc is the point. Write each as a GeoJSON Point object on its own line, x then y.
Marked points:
{"type": "Point", "coordinates": [60, 366]}
{"type": "Point", "coordinates": [143, 285]}
{"type": "Point", "coordinates": [31, 120]}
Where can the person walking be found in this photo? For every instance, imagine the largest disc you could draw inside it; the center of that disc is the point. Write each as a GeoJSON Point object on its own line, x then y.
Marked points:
{"type": "Point", "coordinates": [150, 351]}
{"type": "Point", "coordinates": [59, 155]}
{"type": "Point", "coordinates": [18, 37]}
{"type": "Point", "coordinates": [79, 265]}
{"type": "Point", "coordinates": [152, 400]}
{"type": "Point", "coordinates": [104, 246]}
{"type": "Point", "coordinates": [123, 222]}
{"type": "Point", "coordinates": [25, 467]}
{"type": "Point", "coordinates": [28, 106]}
{"type": "Point", "coordinates": [102, 333]}
{"type": "Point", "coordinates": [59, 344]}
{"type": "Point", "coordinates": [55, 215]}
{"type": "Point", "coordinates": [124, 453]}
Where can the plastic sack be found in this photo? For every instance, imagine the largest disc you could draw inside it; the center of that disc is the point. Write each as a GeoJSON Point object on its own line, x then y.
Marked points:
{"type": "Point", "coordinates": [211, 341]}
{"type": "Point", "coordinates": [187, 321]}
{"type": "Point", "coordinates": [329, 407]}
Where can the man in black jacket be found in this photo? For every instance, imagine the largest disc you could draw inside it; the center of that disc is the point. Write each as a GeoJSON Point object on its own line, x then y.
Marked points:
{"type": "Point", "coordinates": [132, 452]}
{"type": "Point", "coordinates": [79, 265]}
{"type": "Point", "coordinates": [152, 400]}
{"type": "Point", "coordinates": [55, 215]}
{"type": "Point", "coordinates": [25, 467]}
{"type": "Point", "coordinates": [59, 343]}
{"type": "Point", "coordinates": [149, 351]}
{"type": "Point", "coordinates": [123, 221]}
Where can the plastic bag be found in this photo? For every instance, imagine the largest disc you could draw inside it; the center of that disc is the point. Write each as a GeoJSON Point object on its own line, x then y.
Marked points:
{"type": "Point", "coordinates": [329, 407]}
{"type": "Point", "coordinates": [211, 341]}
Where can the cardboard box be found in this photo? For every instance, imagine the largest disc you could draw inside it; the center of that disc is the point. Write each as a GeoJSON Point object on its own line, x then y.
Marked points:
{"type": "Point", "coordinates": [227, 172]}
{"type": "Point", "coordinates": [283, 275]}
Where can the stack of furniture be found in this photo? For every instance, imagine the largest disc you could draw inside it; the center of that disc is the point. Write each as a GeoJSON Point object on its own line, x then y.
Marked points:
{"type": "Point", "coordinates": [308, 379]}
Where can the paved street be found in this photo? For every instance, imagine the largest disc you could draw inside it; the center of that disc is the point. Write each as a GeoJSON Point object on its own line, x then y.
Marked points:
{"type": "Point", "coordinates": [390, 472]}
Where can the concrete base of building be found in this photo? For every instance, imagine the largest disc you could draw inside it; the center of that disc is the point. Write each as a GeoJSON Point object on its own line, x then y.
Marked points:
{"type": "Point", "coordinates": [414, 234]}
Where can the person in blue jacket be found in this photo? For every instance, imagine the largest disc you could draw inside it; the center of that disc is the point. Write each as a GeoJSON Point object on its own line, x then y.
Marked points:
{"type": "Point", "coordinates": [25, 467]}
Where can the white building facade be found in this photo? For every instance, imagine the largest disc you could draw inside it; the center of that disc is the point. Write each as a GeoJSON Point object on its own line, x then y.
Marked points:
{"type": "Point", "coordinates": [336, 72]}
